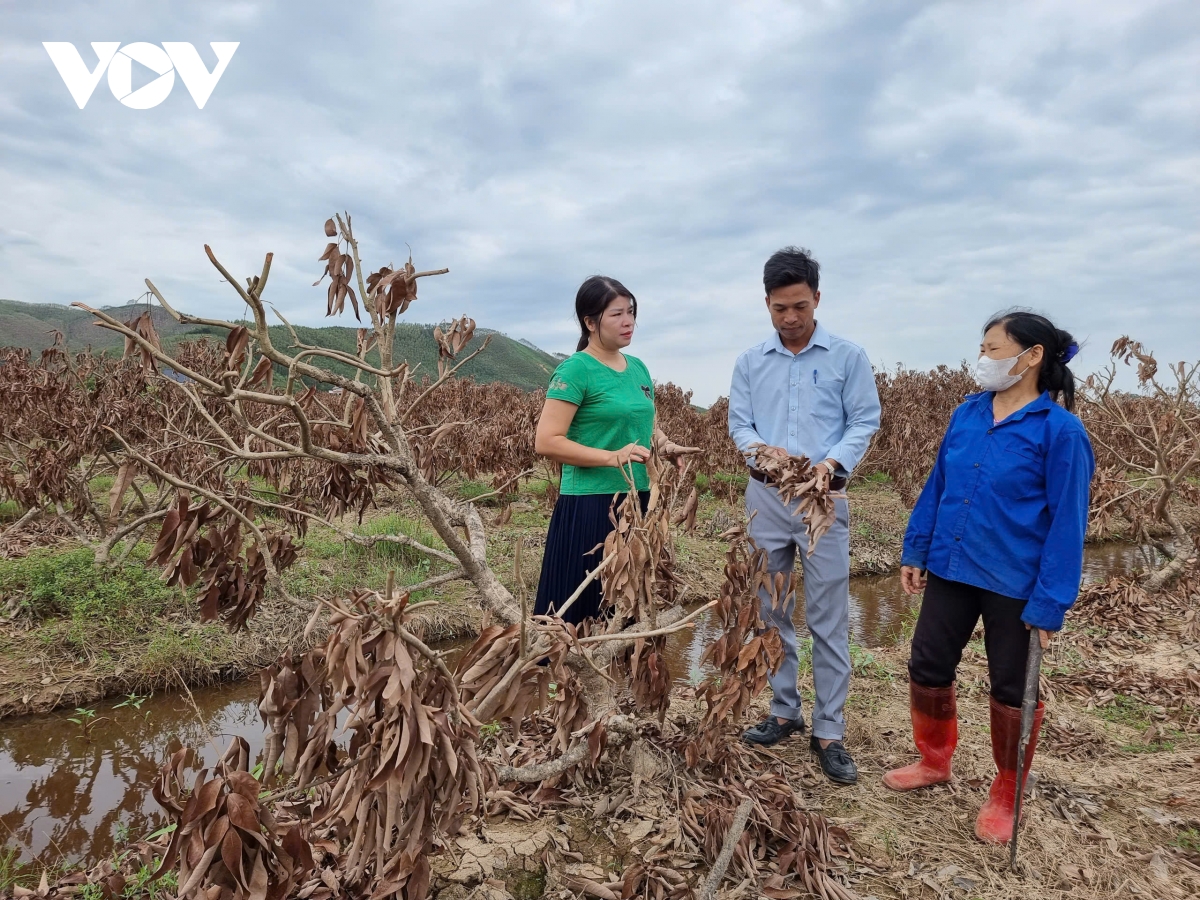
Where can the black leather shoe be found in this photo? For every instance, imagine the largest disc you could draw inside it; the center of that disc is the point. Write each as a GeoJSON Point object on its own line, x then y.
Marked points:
{"type": "Point", "coordinates": [769, 731]}
{"type": "Point", "coordinates": [835, 761]}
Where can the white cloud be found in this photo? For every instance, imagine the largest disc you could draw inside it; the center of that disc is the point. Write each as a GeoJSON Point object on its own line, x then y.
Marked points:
{"type": "Point", "coordinates": [942, 160]}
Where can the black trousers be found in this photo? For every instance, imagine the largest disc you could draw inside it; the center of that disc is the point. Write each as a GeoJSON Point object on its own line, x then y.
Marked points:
{"type": "Point", "coordinates": [949, 612]}
{"type": "Point", "coordinates": [578, 524]}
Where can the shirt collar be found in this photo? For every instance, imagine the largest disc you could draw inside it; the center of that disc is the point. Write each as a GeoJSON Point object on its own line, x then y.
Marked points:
{"type": "Point", "coordinates": [1041, 404]}
{"type": "Point", "coordinates": [820, 338]}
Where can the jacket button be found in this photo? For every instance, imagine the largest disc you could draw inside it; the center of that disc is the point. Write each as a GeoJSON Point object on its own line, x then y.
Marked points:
{"type": "Point", "coordinates": [966, 501]}
{"type": "Point", "coordinates": [958, 539]}
{"type": "Point", "coordinates": [989, 431]}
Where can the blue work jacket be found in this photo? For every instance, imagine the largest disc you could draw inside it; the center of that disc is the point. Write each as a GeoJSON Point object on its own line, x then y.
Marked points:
{"type": "Point", "coordinates": [1005, 507]}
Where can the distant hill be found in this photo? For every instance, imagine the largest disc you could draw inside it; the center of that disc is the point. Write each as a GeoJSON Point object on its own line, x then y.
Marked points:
{"type": "Point", "coordinates": [30, 325]}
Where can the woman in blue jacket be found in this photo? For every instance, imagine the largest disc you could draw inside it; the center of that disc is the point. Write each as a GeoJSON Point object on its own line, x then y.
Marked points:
{"type": "Point", "coordinates": [997, 532]}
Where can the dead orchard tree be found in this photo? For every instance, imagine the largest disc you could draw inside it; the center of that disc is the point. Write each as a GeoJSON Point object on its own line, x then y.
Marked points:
{"type": "Point", "coordinates": [375, 736]}
{"type": "Point", "coordinates": [1148, 453]}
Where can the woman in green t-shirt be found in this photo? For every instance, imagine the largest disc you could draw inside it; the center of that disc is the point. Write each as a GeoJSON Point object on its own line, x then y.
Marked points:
{"type": "Point", "coordinates": [598, 419]}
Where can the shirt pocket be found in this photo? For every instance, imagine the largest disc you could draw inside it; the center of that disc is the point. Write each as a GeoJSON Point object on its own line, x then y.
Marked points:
{"type": "Point", "coordinates": [1020, 472]}
{"type": "Point", "coordinates": [827, 397]}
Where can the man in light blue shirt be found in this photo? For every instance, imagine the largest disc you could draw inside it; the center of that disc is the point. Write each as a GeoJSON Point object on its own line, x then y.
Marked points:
{"type": "Point", "coordinates": [805, 392]}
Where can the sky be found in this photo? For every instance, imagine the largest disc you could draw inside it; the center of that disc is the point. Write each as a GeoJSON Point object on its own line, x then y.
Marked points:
{"type": "Point", "coordinates": [941, 160]}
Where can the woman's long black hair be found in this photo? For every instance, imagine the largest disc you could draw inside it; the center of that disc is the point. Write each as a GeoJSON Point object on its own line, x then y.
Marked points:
{"type": "Point", "coordinates": [1058, 348]}
{"type": "Point", "coordinates": [593, 298]}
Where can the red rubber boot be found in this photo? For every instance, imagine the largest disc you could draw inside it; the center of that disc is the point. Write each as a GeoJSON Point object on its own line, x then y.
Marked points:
{"type": "Point", "coordinates": [995, 821]}
{"type": "Point", "coordinates": [935, 731]}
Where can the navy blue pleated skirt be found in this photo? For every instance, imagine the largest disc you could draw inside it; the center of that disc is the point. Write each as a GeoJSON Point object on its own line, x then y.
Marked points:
{"type": "Point", "coordinates": [578, 524]}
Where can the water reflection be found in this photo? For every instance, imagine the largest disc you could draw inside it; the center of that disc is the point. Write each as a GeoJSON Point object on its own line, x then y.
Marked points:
{"type": "Point", "coordinates": [62, 795]}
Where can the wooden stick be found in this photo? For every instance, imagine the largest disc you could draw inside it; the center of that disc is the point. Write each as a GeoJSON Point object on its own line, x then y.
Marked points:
{"type": "Point", "coordinates": [736, 828]}
{"type": "Point", "coordinates": [685, 622]}
{"type": "Point", "coordinates": [591, 576]}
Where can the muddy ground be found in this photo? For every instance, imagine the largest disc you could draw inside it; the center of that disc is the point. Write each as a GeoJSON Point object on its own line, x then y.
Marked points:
{"type": "Point", "coordinates": [1114, 808]}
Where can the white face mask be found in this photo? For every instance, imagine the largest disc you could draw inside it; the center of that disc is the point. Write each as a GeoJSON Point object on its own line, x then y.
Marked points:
{"type": "Point", "coordinates": [992, 374]}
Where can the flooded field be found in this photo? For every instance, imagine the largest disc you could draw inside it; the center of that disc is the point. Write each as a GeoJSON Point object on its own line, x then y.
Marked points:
{"type": "Point", "coordinates": [73, 790]}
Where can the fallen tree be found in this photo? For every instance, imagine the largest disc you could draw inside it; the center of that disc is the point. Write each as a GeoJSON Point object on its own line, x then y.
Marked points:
{"type": "Point", "coordinates": [373, 759]}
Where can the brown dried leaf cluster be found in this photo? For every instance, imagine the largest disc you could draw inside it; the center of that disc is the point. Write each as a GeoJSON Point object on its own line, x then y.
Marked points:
{"type": "Point", "coordinates": [339, 266]}
{"type": "Point", "coordinates": [638, 580]}
{"type": "Point", "coordinates": [788, 849]}
{"type": "Point", "coordinates": [144, 326]}
{"type": "Point", "coordinates": [235, 576]}
{"type": "Point", "coordinates": [450, 343]}
{"type": "Point", "coordinates": [409, 770]}
{"type": "Point", "coordinates": [802, 484]}
{"type": "Point", "coordinates": [393, 290]}
{"type": "Point", "coordinates": [226, 844]}
{"type": "Point", "coordinates": [743, 653]}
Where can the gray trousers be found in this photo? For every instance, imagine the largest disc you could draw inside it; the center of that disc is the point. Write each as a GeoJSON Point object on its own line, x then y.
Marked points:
{"type": "Point", "coordinates": [826, 607]}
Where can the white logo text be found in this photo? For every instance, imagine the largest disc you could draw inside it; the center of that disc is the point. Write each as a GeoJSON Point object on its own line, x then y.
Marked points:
{"type": "Point", "coordinates": [117, 60]}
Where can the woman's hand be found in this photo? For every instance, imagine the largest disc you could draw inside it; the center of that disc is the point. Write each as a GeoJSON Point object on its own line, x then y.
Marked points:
{"type": "Point", "coordinates": [912, 579]}
{"type": "Point", "coordinates": [1043, 636]}
{"type": "Point", "coordinates": [630, 453]}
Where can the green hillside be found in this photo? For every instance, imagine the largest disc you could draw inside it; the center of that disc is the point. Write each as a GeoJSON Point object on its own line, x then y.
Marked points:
{"type": "Point", "coordinates": [30, 325]}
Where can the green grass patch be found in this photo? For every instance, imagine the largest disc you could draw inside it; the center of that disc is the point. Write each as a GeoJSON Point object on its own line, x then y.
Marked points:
{"type": "Point", "coordinates": [804, 656]}
{"type": "Point", "coordinates": [101, 483]}
{"type": "Point", "coordinates": [265, 491]}
{"type": "Point", "coordinates": [329, 565]}
{"type": "Point", "coordinates": [397, 554]}
{"type": "Point", "coordinates": [12, 872]}
{"type": "Point", "coordinates": [737, 479]}
{"type": "Point", "coordinates": [908, 623]}
{"type": "Point", "coordinates": [183, 651]}
{"type": "Point", "coordinates": [474, 490]}
{"type": "Point", "coordinates": [1188, 839]}
{"type": "Point", "coordinates": [865, 665]}
{"type": "Point", "coordinates": [537, 486]}
{"type": "Point", "coordinates": [1127, 711]}
{"type": "Point", "coordinates": [9, 511]}
{"type": "Point", "coordinates": [67, 583]}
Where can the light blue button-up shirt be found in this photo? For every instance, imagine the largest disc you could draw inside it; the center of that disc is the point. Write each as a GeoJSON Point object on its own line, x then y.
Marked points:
{"type": "Point", "coordinates": [820, 402]}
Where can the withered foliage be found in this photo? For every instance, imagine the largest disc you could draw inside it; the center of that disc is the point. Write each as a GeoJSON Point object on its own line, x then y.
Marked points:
{"type": "Point", "coordinates": [1147, 454]}
{"type": "Point", "coordinates": [339, 266]}
{"type": "Point", "coordinates": [789, 848]}
{"type": "Point", "coordinates": [1125, 611]}
{"type": "Point", "coordinates": [226, 844]}
{"type": "Point", "coordinates": [801, 484]}
{"type": "Point", "coordinates": [56, 419]}
{"type": "Point", "coordinates": [409, 770]}
{"type": "Point", "coordinates": [234, 577]}
{"type": "Point", "coordinates": [744, 653]}
{"type": "Point", "coordinates": [1178, 693]}
{"type": "Point", "coordinates": [638, 581]}
{"type": "Point", "coordinates": [506, 675]}
{"type": "Point", "coordinates": [915, 410]}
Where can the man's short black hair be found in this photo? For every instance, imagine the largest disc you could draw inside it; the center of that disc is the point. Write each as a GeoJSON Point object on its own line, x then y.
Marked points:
{"type": "Point", "coordinates": [791, 265]}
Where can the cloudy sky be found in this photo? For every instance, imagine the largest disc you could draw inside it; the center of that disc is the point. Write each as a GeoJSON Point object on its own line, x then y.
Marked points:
{"type": "Point", "coordinates": [942, 161]}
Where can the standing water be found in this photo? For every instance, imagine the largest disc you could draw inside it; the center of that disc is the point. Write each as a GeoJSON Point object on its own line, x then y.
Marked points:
{"type": "Point", "coordinates": [74, 792]}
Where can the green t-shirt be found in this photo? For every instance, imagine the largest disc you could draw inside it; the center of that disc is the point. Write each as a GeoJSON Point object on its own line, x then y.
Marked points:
{"type": "Point", "coordinates": [615, 409]}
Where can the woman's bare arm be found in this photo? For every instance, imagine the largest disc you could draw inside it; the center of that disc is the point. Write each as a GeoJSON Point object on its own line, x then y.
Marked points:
{"type": "Point", "coordinates": [552, 442]}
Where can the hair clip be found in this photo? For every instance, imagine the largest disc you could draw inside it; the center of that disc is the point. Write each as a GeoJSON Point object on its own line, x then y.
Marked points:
{"type": "Point", "coordinates": [1068, 353]}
